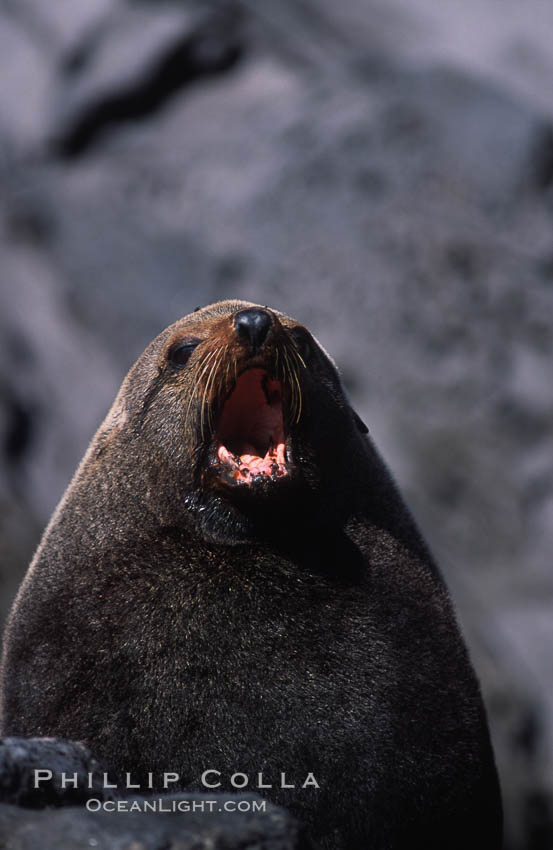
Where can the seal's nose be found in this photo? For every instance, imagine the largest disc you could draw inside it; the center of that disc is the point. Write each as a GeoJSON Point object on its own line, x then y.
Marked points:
{"type": "Point", "coordinates": [253, 326]}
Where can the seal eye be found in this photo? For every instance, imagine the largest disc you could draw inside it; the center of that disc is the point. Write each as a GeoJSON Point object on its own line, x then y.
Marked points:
{"type": "Point", "coordinates": [303, 343]}
{"type": "Point", "coordinates": [180, 353]}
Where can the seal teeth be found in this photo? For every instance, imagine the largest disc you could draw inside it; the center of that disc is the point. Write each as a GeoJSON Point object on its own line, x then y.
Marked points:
{"type": "Point", "coordinates": [251, 436]}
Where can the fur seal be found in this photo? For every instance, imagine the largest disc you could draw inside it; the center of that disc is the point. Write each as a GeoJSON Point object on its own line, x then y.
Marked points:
{"type": "Point", "coordinates": [232, 582]}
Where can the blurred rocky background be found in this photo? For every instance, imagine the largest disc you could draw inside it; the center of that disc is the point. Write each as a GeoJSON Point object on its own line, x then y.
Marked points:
{"type": "Point", "coordinates": [382, 171]}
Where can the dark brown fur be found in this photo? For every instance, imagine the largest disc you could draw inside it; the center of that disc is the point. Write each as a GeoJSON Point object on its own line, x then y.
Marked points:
{"type": "Point", "coordinates": [173, 625]}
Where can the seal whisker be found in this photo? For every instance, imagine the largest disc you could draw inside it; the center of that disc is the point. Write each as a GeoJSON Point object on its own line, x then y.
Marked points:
{"type": "Point", "coordinates": [196, 378]}
{"type": "Point", "coordinates": [300, 403]}
{"type": "Point", "coordinates": [285, 375]}
{"type": "Point", "coordinates": [204, 365]}
{"type": "Point", "coordinates": [298, 356]}
{"type": "Point", "coordinates": [205, 403]}
{"type": "Point", "coordinates": [295, 355]}
{"type": "Point", "coordinates": [302, 361]}
{"type": "Point", "coordinates": [206, 409]}
{"type": "Point", "coordinates": [227, 369]}
{"type": "Point", "coordinates": [223, 352]}
{"type": "Point", "coordinates": [290, 383]}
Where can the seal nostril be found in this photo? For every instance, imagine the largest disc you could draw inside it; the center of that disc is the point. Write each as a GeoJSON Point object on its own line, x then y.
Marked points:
{"type": "Point", "coordinates": [253, 326]}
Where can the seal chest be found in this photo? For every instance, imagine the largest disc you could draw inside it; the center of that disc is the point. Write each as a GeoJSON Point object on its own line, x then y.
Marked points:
{"type": "Point", "coordinates": [232, 585]}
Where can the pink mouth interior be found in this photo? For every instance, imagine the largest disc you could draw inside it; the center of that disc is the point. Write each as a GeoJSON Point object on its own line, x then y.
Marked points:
{"type": "Point", "coordinates": [250, 437]}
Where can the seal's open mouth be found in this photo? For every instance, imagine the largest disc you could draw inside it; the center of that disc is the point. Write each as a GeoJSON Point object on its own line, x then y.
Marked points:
{"type": "Point", "coordinates": [250, 438]}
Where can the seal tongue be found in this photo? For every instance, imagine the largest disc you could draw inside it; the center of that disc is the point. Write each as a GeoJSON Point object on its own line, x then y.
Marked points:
{"type": "Point", "coordinates": [251, 432]}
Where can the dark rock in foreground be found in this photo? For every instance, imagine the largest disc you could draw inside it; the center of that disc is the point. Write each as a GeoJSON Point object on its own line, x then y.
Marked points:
{"type": "Point", "coordinates": [54, 817]}
{"type": "Point", "coordinates": [20, 784]}
{"type": "Point", "coordinates": [208, 826]}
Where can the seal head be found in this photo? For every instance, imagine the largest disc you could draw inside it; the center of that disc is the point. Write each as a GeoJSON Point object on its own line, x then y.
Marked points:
{"type": "Point", "coordinates": [239, 406]}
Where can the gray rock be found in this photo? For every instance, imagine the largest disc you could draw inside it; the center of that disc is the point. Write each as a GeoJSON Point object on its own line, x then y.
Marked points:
{"type": "Point", "coordinates": [135, 59]}
{"type": "Point", "coordinates": [206, 827]}
{"type": "Point", "coordinates": [40, 772]}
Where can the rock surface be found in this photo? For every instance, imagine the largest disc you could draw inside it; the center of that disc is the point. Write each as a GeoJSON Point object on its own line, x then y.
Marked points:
{"type": "Point", "coordinates": [385, 174]}
{"type": "Point", "coordinates": [206, 827]}
{"type": "Point", "coordinates": [40, 772]}
{"type": "Point", "coordinates": [55, 795]}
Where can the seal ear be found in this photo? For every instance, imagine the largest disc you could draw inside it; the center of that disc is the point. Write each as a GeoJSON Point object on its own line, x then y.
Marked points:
{"type": "Point", "coordinates": [359, 422]}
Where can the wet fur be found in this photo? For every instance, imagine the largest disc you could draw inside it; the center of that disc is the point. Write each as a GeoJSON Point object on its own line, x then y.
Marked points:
{"type": "Point", "coordinates": [307, 630]}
